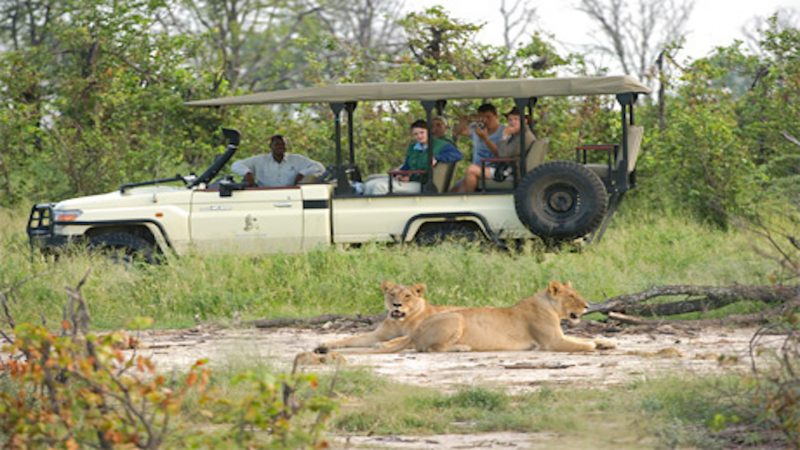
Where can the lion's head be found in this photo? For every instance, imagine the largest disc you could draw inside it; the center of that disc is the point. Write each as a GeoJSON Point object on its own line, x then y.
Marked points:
{"type": "Point", "coordinates": [403, 301]}
{"type": "Point", "coordinates": [571, 304]}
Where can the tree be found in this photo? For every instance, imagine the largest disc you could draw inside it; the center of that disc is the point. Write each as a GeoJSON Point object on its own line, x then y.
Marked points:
{"type": "Point", "coordinates": [363, 38]}
{"type": "Point", "coordinates": [248, 42]}
{"type": "Point", "coordinates": [27, 23]}
{"type": "Point", "coordinates": [516, 19]}
{"type": "Point", "coordinates": [369, 24]}
{"type": "Point", "coordinates": [635, 34]}
{"type": "Point", "coordinates": [440, 45]}
{"type": "Point", "coordinates": [753, 30]}
{"type": "Point", "coordinates": [97, 102]}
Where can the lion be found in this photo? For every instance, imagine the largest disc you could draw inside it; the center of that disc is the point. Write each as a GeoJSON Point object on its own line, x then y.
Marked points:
{"type": "Point", "coordinates": [533, 323]}
{"type": "Point", "coordinates": [406, 309]}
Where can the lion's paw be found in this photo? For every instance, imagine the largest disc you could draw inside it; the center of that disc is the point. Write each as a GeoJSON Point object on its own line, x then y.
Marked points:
{"type": "Point", "coordinates": [316, 359]}
{"type": "Point", "coordinates": [604, 344]}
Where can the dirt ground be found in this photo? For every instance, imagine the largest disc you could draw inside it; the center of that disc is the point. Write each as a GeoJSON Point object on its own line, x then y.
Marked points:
{"type": "Point", "coordinates": [641, 352]}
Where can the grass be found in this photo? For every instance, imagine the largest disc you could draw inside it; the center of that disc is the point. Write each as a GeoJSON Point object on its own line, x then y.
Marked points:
{"type": "Point", "coordinates": [638, 251]}
{"type": "Point", "coordinates": [663, 412]}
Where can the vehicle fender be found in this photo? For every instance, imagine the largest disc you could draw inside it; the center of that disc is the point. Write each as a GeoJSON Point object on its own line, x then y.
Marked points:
{"type": "Point", "coordinates": [156, 230]}
{"type": "Point", "coordinates": [415, 223]}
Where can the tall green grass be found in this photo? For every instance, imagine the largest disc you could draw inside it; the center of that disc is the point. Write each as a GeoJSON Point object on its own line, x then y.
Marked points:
{"type": "Point", "coordinates": [666, 412]}
{"type": "Point", "coordinates": [639, 250]}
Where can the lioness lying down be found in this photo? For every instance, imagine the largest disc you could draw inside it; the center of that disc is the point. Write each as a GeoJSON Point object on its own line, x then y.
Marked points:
{"type": "Point", "coordinates": [533, 323]}
{"type": "Point", "coordinates": [406, 309]}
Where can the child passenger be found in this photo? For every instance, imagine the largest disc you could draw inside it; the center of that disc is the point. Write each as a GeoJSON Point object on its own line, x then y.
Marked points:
{"type": "Point", "coordinates": [416, 159]}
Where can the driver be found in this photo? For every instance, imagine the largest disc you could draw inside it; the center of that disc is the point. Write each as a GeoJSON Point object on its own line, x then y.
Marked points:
{"type": "Point", "coordinates": [277, 168]}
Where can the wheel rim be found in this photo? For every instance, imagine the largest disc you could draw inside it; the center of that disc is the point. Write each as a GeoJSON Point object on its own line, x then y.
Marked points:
{"type": "Point", "coordinates": [560, 200]}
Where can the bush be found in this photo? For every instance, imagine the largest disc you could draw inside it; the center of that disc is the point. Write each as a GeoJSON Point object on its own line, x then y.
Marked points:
{"type": "Point", "coordinates": [74, 388]}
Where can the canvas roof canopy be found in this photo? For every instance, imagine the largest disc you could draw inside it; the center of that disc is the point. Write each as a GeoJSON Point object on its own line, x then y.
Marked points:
{"type": "Point", "coordinates": [439, 90]}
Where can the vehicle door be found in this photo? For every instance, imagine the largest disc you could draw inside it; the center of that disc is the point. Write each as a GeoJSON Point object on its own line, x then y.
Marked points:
{"type": "Point", "coordinates": [251, 221]}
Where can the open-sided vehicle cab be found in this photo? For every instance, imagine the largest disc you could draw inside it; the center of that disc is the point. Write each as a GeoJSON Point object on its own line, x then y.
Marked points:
{"type": "Point", "coordinates": [557, 200]}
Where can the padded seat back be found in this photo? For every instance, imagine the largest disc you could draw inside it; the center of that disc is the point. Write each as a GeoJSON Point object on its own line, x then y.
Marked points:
{"type": "Point", "coordinates": [443, 175]}
{"type": "Point", "coordinates": [535, 157]}
{"type": "Point", "coordinates": [635, 136]}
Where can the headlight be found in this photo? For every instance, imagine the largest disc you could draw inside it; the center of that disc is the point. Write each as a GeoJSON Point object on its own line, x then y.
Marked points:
{"type": "Point", "coordinates": [66, 215]}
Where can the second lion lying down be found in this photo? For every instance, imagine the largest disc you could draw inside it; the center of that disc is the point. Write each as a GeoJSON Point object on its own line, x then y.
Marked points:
{"type": "Point", "coordinates": [533, 323]}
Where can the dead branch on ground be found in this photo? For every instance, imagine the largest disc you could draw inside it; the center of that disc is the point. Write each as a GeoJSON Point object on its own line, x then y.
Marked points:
{"type": "Point", "coordinates": [710, 297]}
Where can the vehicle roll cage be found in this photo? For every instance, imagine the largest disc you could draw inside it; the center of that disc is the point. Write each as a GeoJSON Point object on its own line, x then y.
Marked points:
{"type": "Point", "coordinates": [620, 181]}
{"type": "Point", "coordinates": [434, 95]}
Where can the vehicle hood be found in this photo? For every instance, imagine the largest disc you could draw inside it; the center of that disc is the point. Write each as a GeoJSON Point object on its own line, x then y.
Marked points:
{"type": "Point", "coordinates": [132, 197]}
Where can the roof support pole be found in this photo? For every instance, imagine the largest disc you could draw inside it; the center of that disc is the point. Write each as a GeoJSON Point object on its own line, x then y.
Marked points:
{"type": "Point", "coordinates": [350, 107]}
{"type": "Point", "coordinates": [531, 103]}
{"type": "Point", "coordinates": [621, 183]}
{"type": "Point", "coordinates": [520, 103]}
{"type": "Point", "coordinates": [429, 105]}
{"type": "Point", "coordinates": [440, 105]}
{"type": "Point", "coordinates": [342, 185]}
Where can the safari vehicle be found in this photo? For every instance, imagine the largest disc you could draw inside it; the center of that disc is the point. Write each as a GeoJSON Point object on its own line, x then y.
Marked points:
{"type": "Point", "coordinates": [555, 200]}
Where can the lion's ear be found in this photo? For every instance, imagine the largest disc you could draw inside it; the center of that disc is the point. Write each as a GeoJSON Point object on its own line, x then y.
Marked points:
{"type": "Point", "coordinates": [420, 288]}
{"type": "Point", "coordinates": [568, 284]}
{"type": "Point", "coordinates": [554, 287]}
{"type": "Point", "coordinates": [386, 285]}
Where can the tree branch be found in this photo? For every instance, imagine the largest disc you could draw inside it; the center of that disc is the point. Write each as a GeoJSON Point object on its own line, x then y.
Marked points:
{"type": "Point", "coordinates": [766, 294]}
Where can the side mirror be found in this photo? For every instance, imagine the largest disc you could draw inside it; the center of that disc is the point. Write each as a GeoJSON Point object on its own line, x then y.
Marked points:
{"type": "Point", "coordinates": [227, 186]}
{"type": "Point", "coordinates": [232, 136]}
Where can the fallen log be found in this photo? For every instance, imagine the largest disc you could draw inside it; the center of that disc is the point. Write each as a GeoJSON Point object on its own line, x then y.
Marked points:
{"type": "Point", "coordinates": [682, 307]}
{"type": "Point", "coordinates": [630, 320]}
{"type": "Point", "coordinates": [711, 297]}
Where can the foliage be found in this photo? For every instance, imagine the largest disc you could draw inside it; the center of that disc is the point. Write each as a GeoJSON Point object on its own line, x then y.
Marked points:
{"type": "Point", "coordinates": [768, 111]}
{"type": "Point", "coordinates": [699, 156]}
{"type": "Point", "coordinates": [776, 391]}
{"type": "Point", "coordinates": [442, 48]}
{"type": "Point", "coordinates": [99, 100]}
{"type": "Point", "coordinates": [728, 145]}
{"type": "Point", "coordinates": [77, 388]}
{"type": "Point", "coordinates": [275, 405]}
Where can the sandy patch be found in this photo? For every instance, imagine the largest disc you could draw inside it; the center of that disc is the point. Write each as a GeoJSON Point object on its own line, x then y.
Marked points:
{"type": "Point", "coordinates": [638, 356]}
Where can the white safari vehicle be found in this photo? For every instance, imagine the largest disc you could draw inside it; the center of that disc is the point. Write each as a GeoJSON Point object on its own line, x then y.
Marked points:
{"type": "Point", "coordinates": [555, 200]}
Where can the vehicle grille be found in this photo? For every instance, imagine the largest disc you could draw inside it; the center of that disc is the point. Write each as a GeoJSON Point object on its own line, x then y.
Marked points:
{"type": "Point", "coordinates": [40, 222]}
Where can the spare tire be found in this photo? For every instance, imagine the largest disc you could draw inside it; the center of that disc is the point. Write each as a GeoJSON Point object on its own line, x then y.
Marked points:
{"type": "Point", "coordinates": [561, 200]}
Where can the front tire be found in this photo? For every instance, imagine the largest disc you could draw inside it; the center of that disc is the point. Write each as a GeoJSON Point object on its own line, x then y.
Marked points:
{"type": "Point", "coordinates": [561, 200]}
{"type": "Point", "coordinates": [124, 247]}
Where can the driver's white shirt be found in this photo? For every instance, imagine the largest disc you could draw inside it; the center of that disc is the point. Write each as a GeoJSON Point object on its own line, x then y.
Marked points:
{"type": "Point", "coordinates": [271, 173]}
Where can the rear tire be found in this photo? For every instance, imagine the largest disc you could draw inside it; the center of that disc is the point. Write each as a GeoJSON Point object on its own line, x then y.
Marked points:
{"type": "Point", "coordinates": [124, 247]}
{"type": "Point", "coordinates": [561, 200]}
{"type": "Point", "coordinates": [433, 233]}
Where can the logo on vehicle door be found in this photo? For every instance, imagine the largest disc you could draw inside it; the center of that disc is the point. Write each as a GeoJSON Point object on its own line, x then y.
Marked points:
{"type": "Point", "coordinates": [250, 223]}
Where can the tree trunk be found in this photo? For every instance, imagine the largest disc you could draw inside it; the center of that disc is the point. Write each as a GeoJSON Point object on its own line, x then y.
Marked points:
{"type": "Point", "coordinates": [662, 87]}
